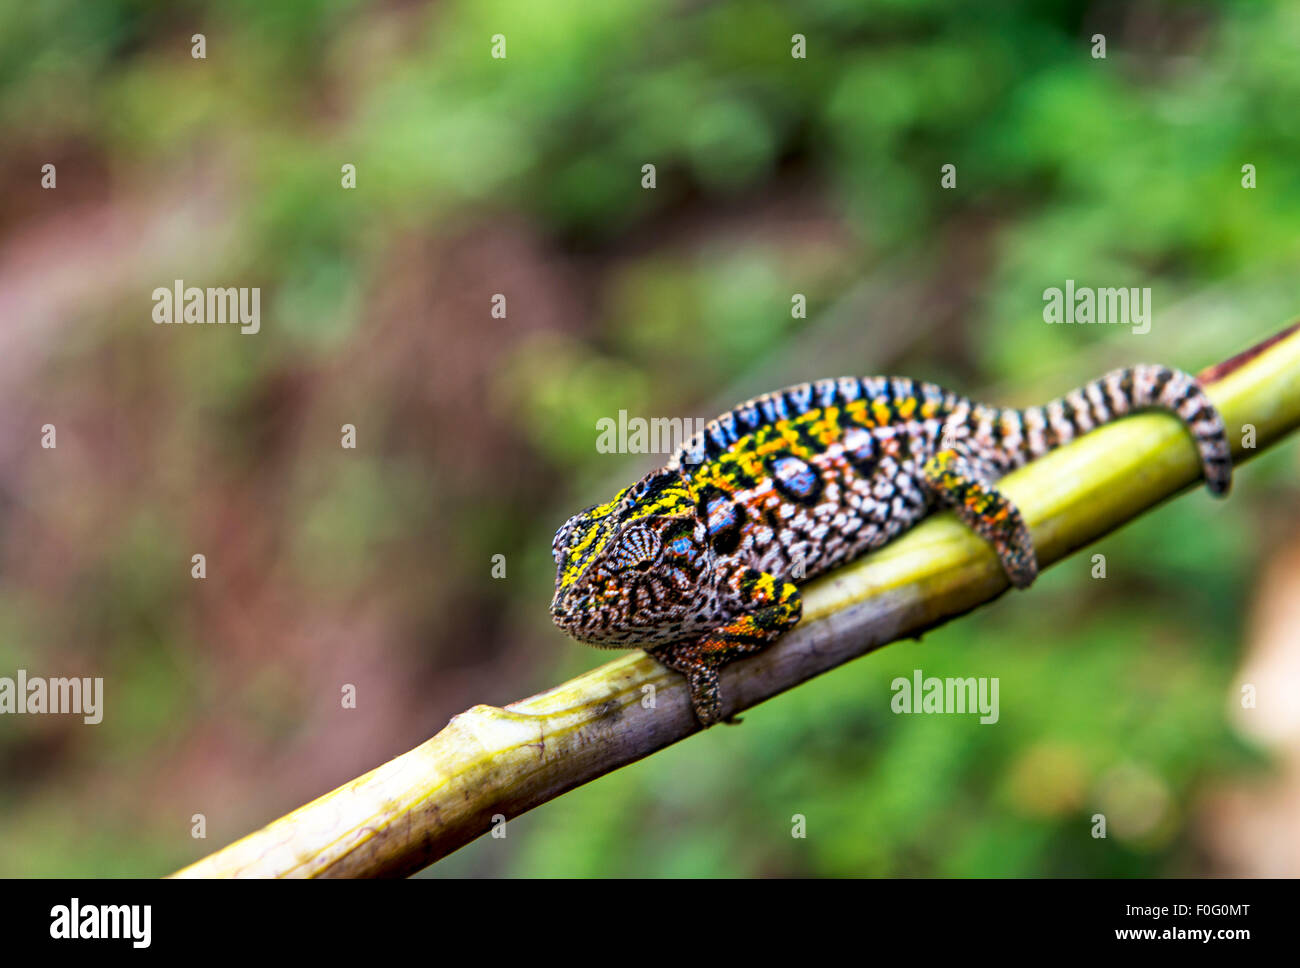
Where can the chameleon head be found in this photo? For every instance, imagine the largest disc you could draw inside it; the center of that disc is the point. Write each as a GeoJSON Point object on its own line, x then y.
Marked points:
{"type": "Point", "coordinates": [636, 571]}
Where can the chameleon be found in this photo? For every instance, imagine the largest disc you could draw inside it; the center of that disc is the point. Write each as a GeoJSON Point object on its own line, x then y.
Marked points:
{"type": "Point", "coordinates": [699, 562]}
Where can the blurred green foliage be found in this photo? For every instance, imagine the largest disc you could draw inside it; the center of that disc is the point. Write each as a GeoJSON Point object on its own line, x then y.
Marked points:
{"type": "Point", "coordinates": [775, 175]}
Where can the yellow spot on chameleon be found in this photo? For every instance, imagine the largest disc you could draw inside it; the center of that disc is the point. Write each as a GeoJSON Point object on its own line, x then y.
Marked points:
{"type": "Point", "coordinates": [857, 412]}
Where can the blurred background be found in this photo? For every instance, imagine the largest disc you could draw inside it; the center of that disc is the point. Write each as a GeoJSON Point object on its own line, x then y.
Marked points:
{"type": "Point", "coordinates": [476, 436]}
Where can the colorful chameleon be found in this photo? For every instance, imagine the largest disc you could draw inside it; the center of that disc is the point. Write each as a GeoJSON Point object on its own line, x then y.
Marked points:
{"type": "Point", "coordinates": [698, 562]}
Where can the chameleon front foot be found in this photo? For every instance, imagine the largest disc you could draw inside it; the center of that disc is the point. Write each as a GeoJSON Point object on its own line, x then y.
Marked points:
{"type": "Point", "coordinates": [701, 678]}
{"type": "Point", "coordinates": [772, 607]}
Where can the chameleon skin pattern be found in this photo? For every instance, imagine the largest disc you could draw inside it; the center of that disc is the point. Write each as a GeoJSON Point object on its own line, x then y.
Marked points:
{"type": "Point", "coordinates": [699, 562]}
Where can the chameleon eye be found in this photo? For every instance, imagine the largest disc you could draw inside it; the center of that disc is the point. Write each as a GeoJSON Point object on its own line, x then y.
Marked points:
{"type": "Point", "coordinates": [638, 548]}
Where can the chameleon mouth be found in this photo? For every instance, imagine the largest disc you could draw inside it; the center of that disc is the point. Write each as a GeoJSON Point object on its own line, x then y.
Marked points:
{"type": "Point", "coordinates": [568, 619]}
{"type": "Point", "coordinates": [565, 611]}
{"type": "Point", "coordinates": [578, 624]}
{"type": "Point", "coordinates": [598, 644]}
{"type": "Point", "coordinates": [562, 618]}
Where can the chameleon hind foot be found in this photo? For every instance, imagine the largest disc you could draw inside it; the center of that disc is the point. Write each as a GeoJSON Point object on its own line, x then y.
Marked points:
{"type": "Point", "coordinates": [961, 484]}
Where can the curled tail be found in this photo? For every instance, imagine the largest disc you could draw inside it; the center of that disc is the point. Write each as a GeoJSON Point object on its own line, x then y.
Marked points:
{"type": "Point", "coordinates": [1121, 392]}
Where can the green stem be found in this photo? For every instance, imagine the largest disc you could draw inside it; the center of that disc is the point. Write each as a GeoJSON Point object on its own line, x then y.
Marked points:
{"type": "Point", "coordinates": [491, 763]}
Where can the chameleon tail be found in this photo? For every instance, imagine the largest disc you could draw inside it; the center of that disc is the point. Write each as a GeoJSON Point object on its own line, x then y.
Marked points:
{"type": "Point", "coordinates": [1118, 393]}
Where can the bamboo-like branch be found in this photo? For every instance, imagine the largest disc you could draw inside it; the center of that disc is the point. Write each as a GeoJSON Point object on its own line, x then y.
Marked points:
{"type": "Point", "coordinates": [491, 763]}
